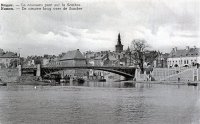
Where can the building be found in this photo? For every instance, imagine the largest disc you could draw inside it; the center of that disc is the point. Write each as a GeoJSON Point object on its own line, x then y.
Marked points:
{"type": "Point", "coordinates": [8, 59]}
{"type": "Point", "coordinates": [161, 60]}
{"type": "Point", "coordinates": [184, 57]}
{"type": "Point", "coordinates": [73, 58]}
{"type": "Point", "coordinates": [99, 60]}
{"type": "Point", "coordinates": [119, 46]}
{"type": "Point", "coordinates": [119, 57]}
{"type": "Point", "coordinates": [45, 61]}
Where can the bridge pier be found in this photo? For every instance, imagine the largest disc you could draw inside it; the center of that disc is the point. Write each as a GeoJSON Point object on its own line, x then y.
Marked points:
{"type": "Point", "coordinates": [71, 81]}
{"type": "Point", "coordinates": [38, 72]}
{"type": "Point", "coordinates": [19, 70]}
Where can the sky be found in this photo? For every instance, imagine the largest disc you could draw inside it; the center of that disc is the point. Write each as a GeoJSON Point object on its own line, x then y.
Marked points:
{"type": "Point", "coordinates": [163, 24]}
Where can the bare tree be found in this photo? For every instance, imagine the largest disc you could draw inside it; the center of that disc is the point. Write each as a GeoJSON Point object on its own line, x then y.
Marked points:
{"type": "Point", "coordinates": [139, 47]}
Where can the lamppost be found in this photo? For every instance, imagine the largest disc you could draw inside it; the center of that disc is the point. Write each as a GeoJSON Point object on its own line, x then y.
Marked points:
{"type": "Point", "coordinates": [130, 58]}
{"type": "Point", "coordinates": [19, 56]}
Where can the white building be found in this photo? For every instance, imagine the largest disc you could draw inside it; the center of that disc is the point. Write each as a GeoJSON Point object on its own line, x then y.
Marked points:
{"type": "Point", "coordinates": [184, 58]}
{"type": "Point", "coordinates": [45, 61]}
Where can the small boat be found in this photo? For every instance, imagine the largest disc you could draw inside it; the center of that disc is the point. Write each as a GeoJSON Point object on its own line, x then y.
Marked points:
{"type": "Point", "coordinates": [192, 84]}
{"type": "Point", "coordinates": [129, 84]}
{"type": "Point", "coordinates": [64, 81]}
{"type": "Point", "coordinates": [102, 80]}
{"type": "Point", "coordinates": [80, 80]}
{"type": "Point", "coordinates": [2, 83]}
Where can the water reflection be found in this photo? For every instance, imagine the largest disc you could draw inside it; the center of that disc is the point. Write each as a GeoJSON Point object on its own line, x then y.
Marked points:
{"type": "Point", "coordinates": [100, 102]}
{"type": "Point", "coordinates": [109, 84]}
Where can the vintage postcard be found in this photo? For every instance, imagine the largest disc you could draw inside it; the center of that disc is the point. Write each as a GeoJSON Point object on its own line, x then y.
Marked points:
{"type": "Point", "coordinates": [99, 62]}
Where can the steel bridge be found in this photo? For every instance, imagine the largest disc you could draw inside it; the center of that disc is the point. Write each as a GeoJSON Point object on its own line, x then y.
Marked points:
{"type": "Point", "coordinates": [127, 72]}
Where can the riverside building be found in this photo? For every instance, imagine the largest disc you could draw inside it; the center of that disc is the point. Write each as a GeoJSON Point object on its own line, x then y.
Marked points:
{"type": "Point", "coordinates": [184, 57]}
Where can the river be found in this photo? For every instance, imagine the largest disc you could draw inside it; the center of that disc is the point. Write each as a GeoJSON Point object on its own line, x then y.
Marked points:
{"type": "Point", "coordinates": [100, 103]}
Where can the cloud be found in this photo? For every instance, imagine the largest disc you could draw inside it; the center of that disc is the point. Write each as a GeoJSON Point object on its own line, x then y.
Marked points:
{"type": "Point", "coordinates": [162, 24]}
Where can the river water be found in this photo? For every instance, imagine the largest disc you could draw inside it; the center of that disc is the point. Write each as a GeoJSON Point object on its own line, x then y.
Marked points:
{"type": "Point", "coordinates": [100, 103]}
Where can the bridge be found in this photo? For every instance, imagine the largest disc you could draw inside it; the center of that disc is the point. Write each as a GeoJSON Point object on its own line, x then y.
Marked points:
{"type": "Point", "coordinates": [127, 72]}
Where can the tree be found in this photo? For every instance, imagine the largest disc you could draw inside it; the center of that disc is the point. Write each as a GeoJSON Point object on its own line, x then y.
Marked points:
{"type": "Point", "coordinates": [22, 60]}
{"type": "Point", "coordinates": [13, 63]}
{"type": "Point", "coordinates": [150, 56]}
{"type": "Point", "coordinates": [139, 47]}
{"type": "Point", "coordinates": [38, 61]}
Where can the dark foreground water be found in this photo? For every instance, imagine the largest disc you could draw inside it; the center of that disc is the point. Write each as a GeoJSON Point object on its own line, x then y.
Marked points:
{"type": "Point", "coordinates": [100, 103]}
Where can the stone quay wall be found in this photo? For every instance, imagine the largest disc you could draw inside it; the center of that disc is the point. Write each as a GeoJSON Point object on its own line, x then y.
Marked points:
{"type": "Point", "coordinates": [9, 75]}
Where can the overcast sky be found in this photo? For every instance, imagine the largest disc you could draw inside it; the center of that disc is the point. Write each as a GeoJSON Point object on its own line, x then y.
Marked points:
{"type": "Point", "coordinates": [162, 23]}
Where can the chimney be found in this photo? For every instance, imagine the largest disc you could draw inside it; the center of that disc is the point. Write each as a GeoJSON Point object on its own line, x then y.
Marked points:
{"type": "Point", "coordinates": [195, 47]}
{"type": "Point", "coordinates": [187, 47]}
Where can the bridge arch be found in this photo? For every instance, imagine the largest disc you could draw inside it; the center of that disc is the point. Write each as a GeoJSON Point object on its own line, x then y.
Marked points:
{"type": "Point", "coordinates": [127, 72]}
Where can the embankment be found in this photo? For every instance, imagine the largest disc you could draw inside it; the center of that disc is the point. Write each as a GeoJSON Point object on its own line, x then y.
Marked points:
{"type": "Point", "coordinates": [9, 75]}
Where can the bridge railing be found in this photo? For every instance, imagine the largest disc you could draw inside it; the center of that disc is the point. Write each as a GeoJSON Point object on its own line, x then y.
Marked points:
{"type": "Point", "coordinates": [88, 66]}
{"type": "Point", "coordinates": [63, 65]}
{"type": "Point", "coordinates": [79, 66]}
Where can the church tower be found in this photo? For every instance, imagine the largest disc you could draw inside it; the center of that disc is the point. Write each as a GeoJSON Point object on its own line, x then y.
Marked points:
{"type": "Point", "coordinates": [119, 46]}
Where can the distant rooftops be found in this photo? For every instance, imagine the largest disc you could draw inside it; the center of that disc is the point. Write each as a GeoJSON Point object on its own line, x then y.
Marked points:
{"type": "Point", "coordinates": [8, 55]}
{"type": "Point", "coordinates": [188, 52]}
{"type": "Point", "coordinates": [72, 55]}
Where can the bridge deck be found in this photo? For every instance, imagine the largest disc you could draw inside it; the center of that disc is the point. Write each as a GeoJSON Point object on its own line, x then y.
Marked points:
{"type": "Point", "coordinates": [90, 67]}
{"type": "Point", "coordinates": [128, 72]}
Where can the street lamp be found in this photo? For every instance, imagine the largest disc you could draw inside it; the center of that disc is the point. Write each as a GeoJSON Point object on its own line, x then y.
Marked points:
{"type": "Point", "coordinates": [19, 55]}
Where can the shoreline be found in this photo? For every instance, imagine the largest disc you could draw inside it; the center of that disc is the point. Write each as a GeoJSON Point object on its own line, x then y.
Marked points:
{"type": "Point", "coordinates": [164, 82]}
{"type": "Point", "coordinates": [142, 82]}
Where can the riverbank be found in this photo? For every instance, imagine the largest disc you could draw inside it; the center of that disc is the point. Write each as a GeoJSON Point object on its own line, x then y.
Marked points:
{"type": "Point", "coordinates": [9, 75]}
{"type": "Point", "coordinates": [29, 83]}
{"type": "Point", "coordinates": [164, 82]}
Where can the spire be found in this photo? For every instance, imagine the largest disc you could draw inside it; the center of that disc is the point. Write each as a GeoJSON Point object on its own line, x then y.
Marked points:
{"type": "Point", "coordinates": [119, 46]}
{"type": "Point", "coordinates": [128, 49]}
{"type": "Point", "coordinates": [119, 40]}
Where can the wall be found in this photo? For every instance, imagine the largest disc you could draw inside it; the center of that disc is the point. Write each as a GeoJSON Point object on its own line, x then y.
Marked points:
{"type": "Point", "coordinates": [9, 75]}
{"type": "Point", "coordinates": [162, 73]}
{"type": "Point", "coordinates": [186, 74]}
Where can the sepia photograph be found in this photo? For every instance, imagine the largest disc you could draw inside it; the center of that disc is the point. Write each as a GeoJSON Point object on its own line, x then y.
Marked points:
{"type": "Point", "coordinates": [99, 62]}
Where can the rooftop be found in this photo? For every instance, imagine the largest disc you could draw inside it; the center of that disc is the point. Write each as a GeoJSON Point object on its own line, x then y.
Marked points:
{"type": "Point", "coordinates": [9, 55]}
{"type": "Point", "coordinates": [72, 55]}
{"type": "Point", "coordinates": [189, 52]}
